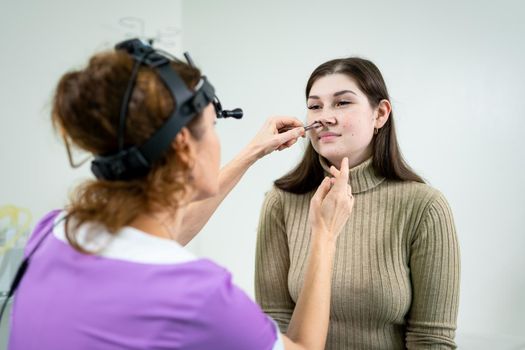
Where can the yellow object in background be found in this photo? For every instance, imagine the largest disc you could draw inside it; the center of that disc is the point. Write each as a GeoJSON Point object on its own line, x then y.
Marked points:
{"type": "Point", "coordinates": [16, 220]}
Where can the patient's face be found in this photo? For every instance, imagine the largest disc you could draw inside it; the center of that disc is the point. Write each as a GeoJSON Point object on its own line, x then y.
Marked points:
{"type": "Point", "coordinates": [347, 116]}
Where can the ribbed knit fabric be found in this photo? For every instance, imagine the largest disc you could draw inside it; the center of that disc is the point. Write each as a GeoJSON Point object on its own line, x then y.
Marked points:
{"type": "Point", "coordinates": [396, 271]}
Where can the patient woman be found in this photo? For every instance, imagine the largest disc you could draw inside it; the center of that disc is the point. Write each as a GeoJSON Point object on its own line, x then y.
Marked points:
{"type": "Point", "coordinates": [396, 273]}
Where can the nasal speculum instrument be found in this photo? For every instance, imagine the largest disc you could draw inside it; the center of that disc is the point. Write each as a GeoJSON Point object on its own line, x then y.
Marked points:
{"type": "Point", "coordinates": [313, 125]}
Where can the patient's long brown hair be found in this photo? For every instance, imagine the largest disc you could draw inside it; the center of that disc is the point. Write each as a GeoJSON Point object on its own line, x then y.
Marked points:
{"type": "Point", "coordinates": [387, 158]}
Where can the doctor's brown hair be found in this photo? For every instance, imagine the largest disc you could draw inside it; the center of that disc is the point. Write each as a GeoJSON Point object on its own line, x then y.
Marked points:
{"type": "Point", "coordinates": [86, 110]}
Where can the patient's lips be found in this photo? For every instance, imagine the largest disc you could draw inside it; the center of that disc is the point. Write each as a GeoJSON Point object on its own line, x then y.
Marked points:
{"type": "Point", "coordinates": [327, 136]}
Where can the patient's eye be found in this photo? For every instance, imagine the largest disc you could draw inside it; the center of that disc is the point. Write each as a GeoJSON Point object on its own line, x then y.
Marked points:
{"type": "Point", "coordinates": [314, 107]}
{"type": "Point", "coordinates": [342, 103]}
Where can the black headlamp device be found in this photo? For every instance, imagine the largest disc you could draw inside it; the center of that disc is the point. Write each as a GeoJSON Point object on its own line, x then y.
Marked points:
{"type": "Point", "coordinates": [136, 161]}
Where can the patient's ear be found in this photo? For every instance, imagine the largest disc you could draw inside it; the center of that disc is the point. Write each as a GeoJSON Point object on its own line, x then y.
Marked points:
{"type": "Point", "coordinates": [383, 113]}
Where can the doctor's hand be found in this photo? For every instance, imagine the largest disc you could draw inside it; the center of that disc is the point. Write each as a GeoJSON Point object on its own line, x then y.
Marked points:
{"type": "Point", "coordinates": [269, 139]}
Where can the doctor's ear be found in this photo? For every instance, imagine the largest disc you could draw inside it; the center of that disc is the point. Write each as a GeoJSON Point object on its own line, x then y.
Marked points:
{"type": "Point", "coordinates": [383, 113]}
{"type": "Point", "coordinates": [185, 145]}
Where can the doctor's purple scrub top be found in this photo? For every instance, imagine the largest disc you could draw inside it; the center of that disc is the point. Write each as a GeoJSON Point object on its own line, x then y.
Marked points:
{"type": "Point", "coordinates": [137, 291]}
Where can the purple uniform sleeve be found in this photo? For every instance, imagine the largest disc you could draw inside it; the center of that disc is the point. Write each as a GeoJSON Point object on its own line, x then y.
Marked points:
{"type": "Point", "coordinates": [41, 229]}
{"type": "Point", "coordinates": [229, 319]}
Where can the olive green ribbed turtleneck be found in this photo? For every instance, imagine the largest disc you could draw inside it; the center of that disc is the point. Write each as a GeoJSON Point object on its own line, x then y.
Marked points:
{"type": "Point", "coordinates": [396, 271]}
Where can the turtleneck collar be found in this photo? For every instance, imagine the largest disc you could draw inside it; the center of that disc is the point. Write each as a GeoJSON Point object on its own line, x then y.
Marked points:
{"type": "Point", "coordinates": [362, 177]}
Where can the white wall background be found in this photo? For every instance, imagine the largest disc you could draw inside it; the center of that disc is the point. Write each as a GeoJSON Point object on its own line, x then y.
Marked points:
{"type": "Point", "coordinates": [456, 75]}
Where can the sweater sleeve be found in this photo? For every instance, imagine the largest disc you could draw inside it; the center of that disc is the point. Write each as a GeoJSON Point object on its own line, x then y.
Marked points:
{"type": "Point", "coordinates": [435, 268]}
{"type": "Point", "coordinates": [272, 263]}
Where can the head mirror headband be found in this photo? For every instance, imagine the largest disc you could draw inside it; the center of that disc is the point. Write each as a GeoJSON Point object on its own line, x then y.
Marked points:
{"type": "Point", "coordinates": [134, 162]}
